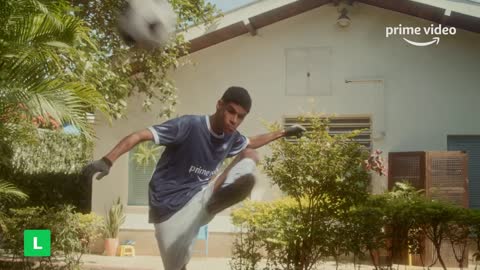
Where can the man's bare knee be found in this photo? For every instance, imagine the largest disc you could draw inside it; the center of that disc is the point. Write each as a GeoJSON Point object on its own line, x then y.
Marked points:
{"type": "Point", "coordinates": [249, 153]}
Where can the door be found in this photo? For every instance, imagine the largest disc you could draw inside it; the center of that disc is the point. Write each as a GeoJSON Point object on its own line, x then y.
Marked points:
{"type": "Point", "coordinates": [471, 145]}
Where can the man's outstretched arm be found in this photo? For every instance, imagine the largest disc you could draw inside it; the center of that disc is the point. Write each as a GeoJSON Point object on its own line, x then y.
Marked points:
{"type": "Point", "coordinates": [103, 165]}
{"type": "Point", "coordinates": [127, 143]}
{"type": "Point", "coordinates": [263, 139]}
{"type": "Point", "coordinates": [254, 143]}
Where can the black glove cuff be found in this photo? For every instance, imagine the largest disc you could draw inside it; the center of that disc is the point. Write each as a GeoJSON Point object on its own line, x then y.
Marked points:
{"type": "Point", "coordinates": [106, 160]}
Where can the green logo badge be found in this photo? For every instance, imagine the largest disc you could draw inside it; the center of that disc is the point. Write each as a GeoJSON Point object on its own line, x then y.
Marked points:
{"type": "Point", "coordinates": [36, 243]}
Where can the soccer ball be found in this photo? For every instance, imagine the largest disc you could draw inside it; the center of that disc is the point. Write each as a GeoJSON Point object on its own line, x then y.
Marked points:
{"type": "Point", "coordinates": [147, 24]}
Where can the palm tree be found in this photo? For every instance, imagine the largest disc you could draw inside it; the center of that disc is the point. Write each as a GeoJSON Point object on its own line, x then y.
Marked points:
{"type": "Point", "coordinates": [43, 54]}
{"type": "Point", "coordinates": [8, 194]}
{"type": "Point", "coordinates": [41, 71]}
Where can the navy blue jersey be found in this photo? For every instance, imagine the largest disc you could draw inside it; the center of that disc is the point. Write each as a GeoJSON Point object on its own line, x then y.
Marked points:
{"type": "Point", "coordinates": [193, 154]}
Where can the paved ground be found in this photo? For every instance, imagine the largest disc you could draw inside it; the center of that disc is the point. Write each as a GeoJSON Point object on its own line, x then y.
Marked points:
{"type": "Point", "coordinates": [98, 262]}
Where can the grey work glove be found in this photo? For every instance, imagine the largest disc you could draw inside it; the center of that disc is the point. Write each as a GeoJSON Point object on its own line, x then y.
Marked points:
{"type": "Point", "coordinates": [101, 166]}
{"type": "Point", "coordinates": [295, 130]}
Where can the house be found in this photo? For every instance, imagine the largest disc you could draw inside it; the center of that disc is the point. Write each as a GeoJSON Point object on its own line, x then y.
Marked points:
{"type": "Point", "coordinates": [415, 90]}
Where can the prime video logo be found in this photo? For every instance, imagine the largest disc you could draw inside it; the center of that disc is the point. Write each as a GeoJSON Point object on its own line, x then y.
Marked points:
{"type": "Point", "coordinates": [417, 31]}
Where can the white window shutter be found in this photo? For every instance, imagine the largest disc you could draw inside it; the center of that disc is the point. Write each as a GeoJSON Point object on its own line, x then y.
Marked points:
{"type": "Point", "coordinates": [341, 125]}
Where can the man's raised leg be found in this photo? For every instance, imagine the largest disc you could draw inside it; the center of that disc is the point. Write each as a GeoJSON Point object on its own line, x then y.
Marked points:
{"type": "Point", "coordinates": [235, 183]}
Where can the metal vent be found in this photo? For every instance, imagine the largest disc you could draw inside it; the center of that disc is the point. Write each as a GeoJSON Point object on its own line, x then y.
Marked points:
{"type": "Point", "coordinates": [341, 125]}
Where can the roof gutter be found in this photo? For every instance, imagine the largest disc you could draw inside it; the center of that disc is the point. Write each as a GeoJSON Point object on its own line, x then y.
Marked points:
{"type": "Point", "coordinates": [466, 7]}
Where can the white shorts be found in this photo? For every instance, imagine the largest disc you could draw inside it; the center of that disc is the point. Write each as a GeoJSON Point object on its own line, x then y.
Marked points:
{"type": "Point", "coordinates": [176, 235]}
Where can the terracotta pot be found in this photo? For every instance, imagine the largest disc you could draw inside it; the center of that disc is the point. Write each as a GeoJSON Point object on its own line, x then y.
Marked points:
{"type": "Point", "coordinates": [111, 246]}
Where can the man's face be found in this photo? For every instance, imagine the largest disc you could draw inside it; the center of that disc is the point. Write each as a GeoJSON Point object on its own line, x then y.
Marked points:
{"type": "Point", "coordinates": [232, 115]}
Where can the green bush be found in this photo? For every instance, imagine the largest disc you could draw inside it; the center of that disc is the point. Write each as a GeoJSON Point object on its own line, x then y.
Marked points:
{"type": "Point", "coordinates": [328, 213]}
{"type": "Point", "coordinates": [90, 229]}
{"type": "Point", "coordinates": [435, 219]}
{"type": "Point", "coordinates": [271, 231]}
{"type": "Point", "coordinates": [71, 235]}
{"type": "Point", "coordinates": [52, 152]}
{"type": "Point", "coordinates": [409, 218]}
{"type": "Point", "coordinates": [247, 246]}
{"type": "Point", "coordinates": [475, 230]}
{"type": "Point", "coordinates": [327, 170]}
{"type": "Point", "coordinates": [401, 229]}
{"type": "Point", "coordinates": [324, 177]}
{"type": "Point", "coordinates": [47, 169]}
{"type": "Point", "coordinates": [364, 230]}
{"type": "Point", "coordinates": [400, 221]}
{"type": "Point", "coordinates": [278, 233]}
{"type": "Point", "coordinates": [51, 190]}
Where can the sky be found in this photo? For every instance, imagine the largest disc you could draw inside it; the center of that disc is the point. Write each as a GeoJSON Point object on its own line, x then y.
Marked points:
{"type": "Point", "coordinates": [227, 5]}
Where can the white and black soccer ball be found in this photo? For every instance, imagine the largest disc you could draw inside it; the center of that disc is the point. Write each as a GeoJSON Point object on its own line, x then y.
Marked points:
{"type": "Point", "coordinates": [147, 24]}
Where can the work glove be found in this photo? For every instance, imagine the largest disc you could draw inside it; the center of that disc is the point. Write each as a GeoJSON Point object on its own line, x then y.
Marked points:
{"type": "Point", "coordinates": [101, 166]}
{"type": "Point", "coordinates": [295, 130]}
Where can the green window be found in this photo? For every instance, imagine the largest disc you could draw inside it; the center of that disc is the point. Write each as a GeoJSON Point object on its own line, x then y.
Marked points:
{"type": "Point", "coordinates": [141, 164]}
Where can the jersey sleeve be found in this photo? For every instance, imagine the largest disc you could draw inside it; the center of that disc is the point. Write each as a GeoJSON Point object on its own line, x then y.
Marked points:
{"type": "Point", "coordinates": [173, 131]}
{"type": "Point", "coordinates": [241, 142]}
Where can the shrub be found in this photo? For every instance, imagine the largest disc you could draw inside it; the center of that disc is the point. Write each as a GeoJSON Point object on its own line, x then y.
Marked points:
{"type": "Point", "coordinates": [71, 234]}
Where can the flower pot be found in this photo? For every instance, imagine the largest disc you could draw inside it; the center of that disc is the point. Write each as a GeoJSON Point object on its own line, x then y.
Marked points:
{"type": "Point", "coordinates": [111, 246]}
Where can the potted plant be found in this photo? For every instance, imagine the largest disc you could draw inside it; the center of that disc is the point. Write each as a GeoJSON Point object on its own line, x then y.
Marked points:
{"type": "Point", "coordinates": [115, 218]}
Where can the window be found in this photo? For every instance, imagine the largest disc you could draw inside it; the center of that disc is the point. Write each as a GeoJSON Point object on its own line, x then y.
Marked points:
{"type": "Point", "coordinates": [470, 145]}
{"type": "Point", "coordinates": [342, 125]}
{"type": "Point", "coordinates": [142, 161]}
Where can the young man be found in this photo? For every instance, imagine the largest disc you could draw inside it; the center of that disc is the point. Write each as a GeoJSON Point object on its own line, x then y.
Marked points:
{"type": "Point", "coordinates": [181, 196]}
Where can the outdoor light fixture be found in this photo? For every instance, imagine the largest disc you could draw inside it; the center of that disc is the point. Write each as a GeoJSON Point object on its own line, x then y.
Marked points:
{"type": "Point", "coordinates": [343, 20]}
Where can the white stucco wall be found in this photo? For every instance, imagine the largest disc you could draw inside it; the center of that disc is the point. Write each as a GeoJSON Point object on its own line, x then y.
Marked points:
{"type": "Point", "coordinates": [424, 93]}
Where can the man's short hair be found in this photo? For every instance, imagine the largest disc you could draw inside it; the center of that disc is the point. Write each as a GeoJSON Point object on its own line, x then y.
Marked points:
{"type": "Point", "coordinates": [238, 95]}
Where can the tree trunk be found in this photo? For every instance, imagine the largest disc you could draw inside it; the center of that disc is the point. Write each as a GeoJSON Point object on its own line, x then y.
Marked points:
{"type": "Point", "coordinates": [439, 256]}
{"type": "Point", "coordinates": [354, 261]}
{"type": "Point", "coordinates": [460, 259]}
{"type": "Point", "coordinates": [421, 259]}
{"type": "Point", "coordinates": [372, 257]}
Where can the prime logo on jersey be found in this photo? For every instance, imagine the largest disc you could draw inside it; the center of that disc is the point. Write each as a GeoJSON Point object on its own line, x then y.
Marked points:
{"type": "Point", "coordinates": [201, 173]}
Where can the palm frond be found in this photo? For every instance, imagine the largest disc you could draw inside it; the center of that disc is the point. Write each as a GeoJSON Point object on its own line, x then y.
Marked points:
{"type": "Point", "coordinates": [40, 46]}
{"type": "Point", "coordinates": [9, 192]}
{"type": "Point", "coordinates": [67, 102]}
{"type": "Point", "coordinates": [39, 39]}
{"type": "Point", "coordinates": [146, 154]}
